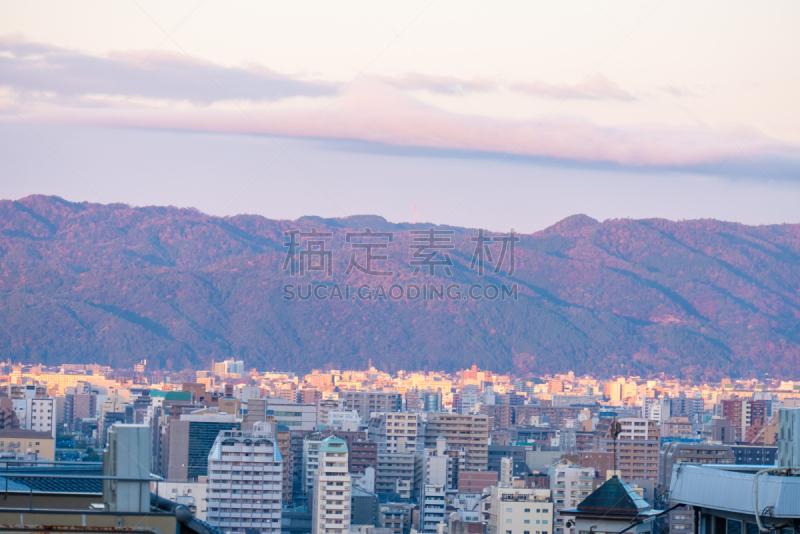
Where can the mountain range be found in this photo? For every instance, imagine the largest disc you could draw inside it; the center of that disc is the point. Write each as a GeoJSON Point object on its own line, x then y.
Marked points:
{"type": "Point", "coordinates": [115, 284]}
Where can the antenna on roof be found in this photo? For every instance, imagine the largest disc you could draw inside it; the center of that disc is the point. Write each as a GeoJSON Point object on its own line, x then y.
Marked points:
{"type": "Point", "coordinates": [616, 430]}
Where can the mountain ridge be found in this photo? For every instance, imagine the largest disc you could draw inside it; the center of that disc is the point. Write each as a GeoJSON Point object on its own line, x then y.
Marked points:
{"type": "Point", "coordinates": [114, 284]}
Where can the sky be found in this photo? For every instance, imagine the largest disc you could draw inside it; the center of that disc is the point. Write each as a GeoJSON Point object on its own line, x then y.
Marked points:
{"type": "Point", "coordinates": [496, 115]}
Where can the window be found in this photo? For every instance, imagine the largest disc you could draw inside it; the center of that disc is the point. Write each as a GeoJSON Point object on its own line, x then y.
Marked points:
{"type": "Point", "coordinates": [527, 510]}
{"type": "Point", "coordinates": [527, 521]}
{"type": "Point", "coordinates": [508, 521]}
{"type": "Point", "coordinates": [508, 510]}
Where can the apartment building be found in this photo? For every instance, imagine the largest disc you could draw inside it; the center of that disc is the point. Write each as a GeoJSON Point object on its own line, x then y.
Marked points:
{"type": "Point", "coordinates": [189, 441]}
{"type": "Point", "coordinates": [520, 511]}
{"type": "Point", "coordinates": [330, 513]}
{"type": "Point", "coordinates": [40, 415]}
{"type": "Point", "coordinates": [677, 427]}
{"type": "Point", "coordinates": [245, 472]}
{"type": "Point", "coordinates": [395, 432]}
{"type": "Point", "coordinates": [291, 414]}
{"type": "Point", "coordinates": [363, 453]}
{"type": "Point", "coordinates": [569, 485]}
{"type": "Point", "coordinates": [394, 467]}
{"type": "Point", "coordinates": [367, 402]}
{"type": "Point", "coordinates": [470, 432]}
{"type": "Point", "coordinates": [637, 447]}
{"type": "Point", "coordinates": [15, 441]}
{"type": "Point", "coordinates": [432, 508]}
{"type": "Point", "coordinates": [743, 413]}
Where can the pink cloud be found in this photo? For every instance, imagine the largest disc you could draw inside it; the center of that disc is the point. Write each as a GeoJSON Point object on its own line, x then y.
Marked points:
{"type": "Point", "coordinates": [375, 109]}
{"type": "Point", "coordinates": [595, 87]}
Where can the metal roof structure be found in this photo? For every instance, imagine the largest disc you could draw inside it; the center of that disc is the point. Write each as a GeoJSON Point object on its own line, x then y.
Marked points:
{"type": "Point", "coordinates": [615, 497]}
{"type": "Point", "coordinates": [710, 486]}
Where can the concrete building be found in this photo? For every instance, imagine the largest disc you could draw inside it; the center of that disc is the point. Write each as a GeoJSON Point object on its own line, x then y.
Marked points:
{"type": "Point", "coordinates": [677, 427]}
{"type": "Point", "coordinates": [476, 481]}
{"type": "Point", "coordinates": [432, 508]}
{"type": "Point", "coordinates": [569, 485]}
{"type": "Point", "coordinates": [470, 432]}
{"type": "Point", "coordinates": [189, 494]}
{"type": "Point", "coordinates": [368, 402]}
{"type": "Point", "coordinates": [637, 447]}
{"type": "Point", "coordinates": [330, 512]}
{"type": "Point", "coordinates": [395, 432]}
{"type": "Point", "coordinates": [364, 508]}
{"type": "Point", "coordinates": [293, 415]}
{"type": "Point", "coordinates": [18, 441]}
{"type": "Point", "coordinates": [245, 472]}
{"type": "Point", "coordinates": [39, 414]}
{"type": "Point", "coordinates": [394, 466]}
{"type": "Point", "coordinates": [789, 437]}
{"type": "Point", "coordinates": [310, 460]}
{"type": "Point", "coordinates": [363, 454]}
{"type": "Point", "coordinates": [743, 413]}
{"type": "Point", "coordinates": [347, 420]}
{"type": "Point", "coordinates": [190, 440]}
{"type": "Point", "coordinates": [437, 466]}
{"type": "Point", "coordinates": [520, 511]}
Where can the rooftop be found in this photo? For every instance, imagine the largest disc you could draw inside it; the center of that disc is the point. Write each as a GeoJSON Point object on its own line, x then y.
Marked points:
{"type": "Point", "coordinates": [731, 488]}
{"type": "Point", "coordinates": [615, 497]}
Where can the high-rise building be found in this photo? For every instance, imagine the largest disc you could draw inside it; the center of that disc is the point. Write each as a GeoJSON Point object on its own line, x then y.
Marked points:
{"type": "Point", "coordinates": [367, 402]}
{"type": "Point", "coordinates": [330, 513]}
{"type": "Point", "coordinates": [743, 413]}
{"type": "Point", "coordinates": [363, 453]}
{"type": "Point", "coordinates": [788, 437]}
{"type": "Point", "coordinates": [228, 368]}
{"type": "Point", "coordinates": [395, 432]}
{"type": "Point", "coordinates": [437, 466]}
{"type": "Point", "coordinates": [40, 415]}
{"type": "Point", "coordinates": [468, 431]}
{"type": "Point", "coordinates": [637, 447]}
{"type": "Point", "coordinates": [295, 416]}
{"type": "Point", "coordinates": [569, 485]}
{"type": "Point", "coordinates": [394, 467]}
{"type": "Point", "coordinates": [190, 440]}
{"type": "Point", "coordinates": [245, 481]}
{"type": "Point", "coordinates": [432, 508]}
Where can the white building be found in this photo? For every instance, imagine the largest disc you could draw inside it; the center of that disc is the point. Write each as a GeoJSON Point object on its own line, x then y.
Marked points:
{"type": "Point", "coordinates": [330, 512]}
{"type": "Point", "coordinates": [569, 485]}
{"type": "Point", "coordinates": [245, 481]}
{"type": "Point", "coordinates": [190, 494]}
{"type": "Point", "coordinates": [311, 445]}
{"type": "Point", "coordinates": [295, 416]}
{"type": "Point", "coordinates": [432, 508]}
{"type": "Point", "coordinates": [520, 511]}
{"type": "Point", "coordinates": [36, 413]}
{"type": "Point", "coordinates": [437, 465]}
{"type": "Point", "coordinates": [656, 409]}
{"type": "Point", "coordinates": [347, 420]}
{"type": "Point", "coordinates": [395, 432]}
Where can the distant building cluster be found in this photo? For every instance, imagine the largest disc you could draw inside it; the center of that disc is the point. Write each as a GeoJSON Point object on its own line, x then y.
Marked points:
{"type": "Point", "coordinates": [472, 452]}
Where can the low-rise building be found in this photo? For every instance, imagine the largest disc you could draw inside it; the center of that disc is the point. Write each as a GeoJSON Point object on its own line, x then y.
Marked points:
{"type": "Point", "coordinates": [520, 511]}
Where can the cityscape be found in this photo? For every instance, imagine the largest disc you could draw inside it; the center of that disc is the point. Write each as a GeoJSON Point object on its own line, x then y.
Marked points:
{"type": "Point", "coordinates": [337, 451]}
{"type": "Point", "coordinates": [418, 267]}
